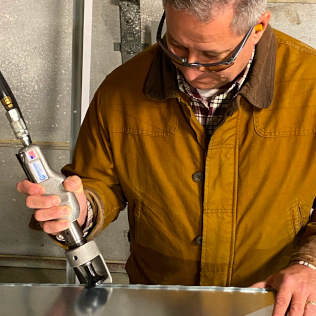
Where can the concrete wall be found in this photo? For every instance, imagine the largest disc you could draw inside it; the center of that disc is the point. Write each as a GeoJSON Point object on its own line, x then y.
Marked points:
{"type": "Point", "coordinates": [35, 58]}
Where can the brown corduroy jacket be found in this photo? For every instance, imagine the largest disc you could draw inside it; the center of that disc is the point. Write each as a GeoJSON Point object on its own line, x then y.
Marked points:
{"type": "Point", "coordinates": [228, 211]}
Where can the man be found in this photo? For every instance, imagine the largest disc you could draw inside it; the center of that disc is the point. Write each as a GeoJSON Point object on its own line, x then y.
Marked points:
{"type": "Point", "coordinates": [210, 138]}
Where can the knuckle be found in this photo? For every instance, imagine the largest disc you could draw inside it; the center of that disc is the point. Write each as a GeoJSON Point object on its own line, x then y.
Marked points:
{"type": "Point", "coordinates": [73, 184]}
{"type": "Point", "coordinates": [281, 301]}
{"type": "Point", "coordinates": [296, 307]}
{"type": "Point", "coordinates": [18, 187]}
{"type": "Point", "coordinates": [50, 201]}
{"type": "Point", "coordinates": [46, 227]}
{"type": "Point", "coordinates": [48, 214]}
{"type": "Point", "coordinates": [288, 282]}
{"type": "Point", "coordinates": [57, 213]}
{"type": "Point", "coordinates": [21, 186]}
{"type": "Point", "coordinates": [36, 201]}
{"type": "Point", "coordinates": [38, 215]}
{"type": "Point", "coordinates": [29, 201]}
{"type": "Point", "coordinates": [311, 309]}
{"type": "Point", "coordinates": [75, 178]}
{"type": "Point", "coordinates": [47, 202]}
{"type": "Point", "coordinates": [49, 227]}
{"type": "Point", "coordinates": [53, 227]}
{"type": "Point", "coordinates": [27, 187]}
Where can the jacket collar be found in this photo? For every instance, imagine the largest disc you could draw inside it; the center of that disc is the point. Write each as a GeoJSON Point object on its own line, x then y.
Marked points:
{"type": "Point", "coordinates": [258, 88]}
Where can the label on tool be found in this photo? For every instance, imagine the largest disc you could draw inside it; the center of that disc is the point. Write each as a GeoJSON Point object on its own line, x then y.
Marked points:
{"type": "Point", "coordinates": [31, 155]}
{"type": "Point", "coordinates": [38, 171]}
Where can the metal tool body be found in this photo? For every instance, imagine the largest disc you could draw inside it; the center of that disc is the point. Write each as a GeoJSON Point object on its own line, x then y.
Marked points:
{"type": "Point", "coordinates": [83, 256]}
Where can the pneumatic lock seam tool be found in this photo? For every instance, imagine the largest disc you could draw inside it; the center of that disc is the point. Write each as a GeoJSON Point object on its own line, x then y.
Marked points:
{"type": "Point", "coordinates": [84, 257]}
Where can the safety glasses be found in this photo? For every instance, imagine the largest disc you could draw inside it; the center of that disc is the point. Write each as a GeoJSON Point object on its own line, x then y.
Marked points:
{"type": "Point", "coordinates": [219, 66]}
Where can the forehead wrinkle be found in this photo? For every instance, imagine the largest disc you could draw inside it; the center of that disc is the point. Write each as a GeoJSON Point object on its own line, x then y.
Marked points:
{"type": "Point", "coordinates": [192, 35]}
{"type": "Point", "coordinates": [196, 36]}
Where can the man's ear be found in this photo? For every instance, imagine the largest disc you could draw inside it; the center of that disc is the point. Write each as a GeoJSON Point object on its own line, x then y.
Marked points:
{"type": "Point", "coordinates": [261, 26]}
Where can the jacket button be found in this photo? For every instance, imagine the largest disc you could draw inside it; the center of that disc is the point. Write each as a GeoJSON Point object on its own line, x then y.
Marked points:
{"type": "Point", "coordinates": [197, 176]}
{"type": "Point", "coordinates": [198, 240]}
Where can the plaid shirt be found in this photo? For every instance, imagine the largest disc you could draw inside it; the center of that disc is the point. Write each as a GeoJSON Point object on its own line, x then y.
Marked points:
{"type": "Point", "coordinates": [209, 111]}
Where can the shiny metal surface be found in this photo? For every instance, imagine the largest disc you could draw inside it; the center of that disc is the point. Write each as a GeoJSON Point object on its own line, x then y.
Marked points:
{"type": "Point", "coordinates": [133, 300]}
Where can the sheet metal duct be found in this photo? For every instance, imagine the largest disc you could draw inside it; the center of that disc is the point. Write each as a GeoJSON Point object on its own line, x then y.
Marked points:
{"type": "Point", "coordinates": [131, 300]}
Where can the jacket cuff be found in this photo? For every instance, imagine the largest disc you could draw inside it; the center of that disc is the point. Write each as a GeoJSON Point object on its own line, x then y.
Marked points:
{"type": "Point", "coordinates": [306, 252]}
{"type": "Point", "coordinates": [98, 218]}
{"type": "Point", "coordinates": [98, 213]}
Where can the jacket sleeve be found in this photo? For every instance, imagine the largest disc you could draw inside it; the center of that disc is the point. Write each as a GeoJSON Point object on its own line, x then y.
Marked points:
{"type": "Point", "coordinates": [307, 247]}
{"type": "Point", "coordinates": [93, 163]}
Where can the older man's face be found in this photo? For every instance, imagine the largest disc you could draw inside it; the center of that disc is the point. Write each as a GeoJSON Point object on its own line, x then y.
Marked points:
{"type": "Point", "coordinates": [211, 42]}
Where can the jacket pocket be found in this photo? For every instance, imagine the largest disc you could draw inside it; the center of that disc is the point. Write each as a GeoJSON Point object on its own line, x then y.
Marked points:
{"type": "Point", "coordinates": [286, 121]}
{"type": "Point", "coordinates": [145, 118]}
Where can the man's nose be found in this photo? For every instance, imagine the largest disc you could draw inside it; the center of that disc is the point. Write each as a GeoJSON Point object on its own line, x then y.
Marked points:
{"type": "Point", "coordinates": [193, 58]}
{"type": "Point", "coordinates": [190, 73]}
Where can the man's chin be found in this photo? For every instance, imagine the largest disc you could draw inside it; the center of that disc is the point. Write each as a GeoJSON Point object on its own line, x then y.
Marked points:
{"type": "Point", "coordinates": [205, 85]}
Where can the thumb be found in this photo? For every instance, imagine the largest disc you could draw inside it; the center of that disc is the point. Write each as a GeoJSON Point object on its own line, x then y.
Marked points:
{"type": "Point", "coordinates": [73, 184]}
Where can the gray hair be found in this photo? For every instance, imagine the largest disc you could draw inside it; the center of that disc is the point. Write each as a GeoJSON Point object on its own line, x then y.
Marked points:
{"type": "Point", "coordinates": [246, 12]}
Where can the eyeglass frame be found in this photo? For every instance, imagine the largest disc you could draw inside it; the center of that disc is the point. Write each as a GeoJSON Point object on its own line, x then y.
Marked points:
{"type": "Point", "coordinates": [183, 61]}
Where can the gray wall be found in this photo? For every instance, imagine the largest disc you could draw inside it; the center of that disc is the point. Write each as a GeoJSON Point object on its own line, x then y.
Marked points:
{"type": "Point", "coordinates": [35, 58]}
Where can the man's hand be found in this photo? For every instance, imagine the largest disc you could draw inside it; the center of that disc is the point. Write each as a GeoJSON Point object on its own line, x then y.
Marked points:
{"type": "Point", "coordinates": [296, 291]}
{"type": "Point", "coordinates": [47, 209]}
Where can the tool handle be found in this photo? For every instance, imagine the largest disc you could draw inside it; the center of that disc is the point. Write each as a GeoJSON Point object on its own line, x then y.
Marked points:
{"type": "Point", "coordinates": [38, 170]}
